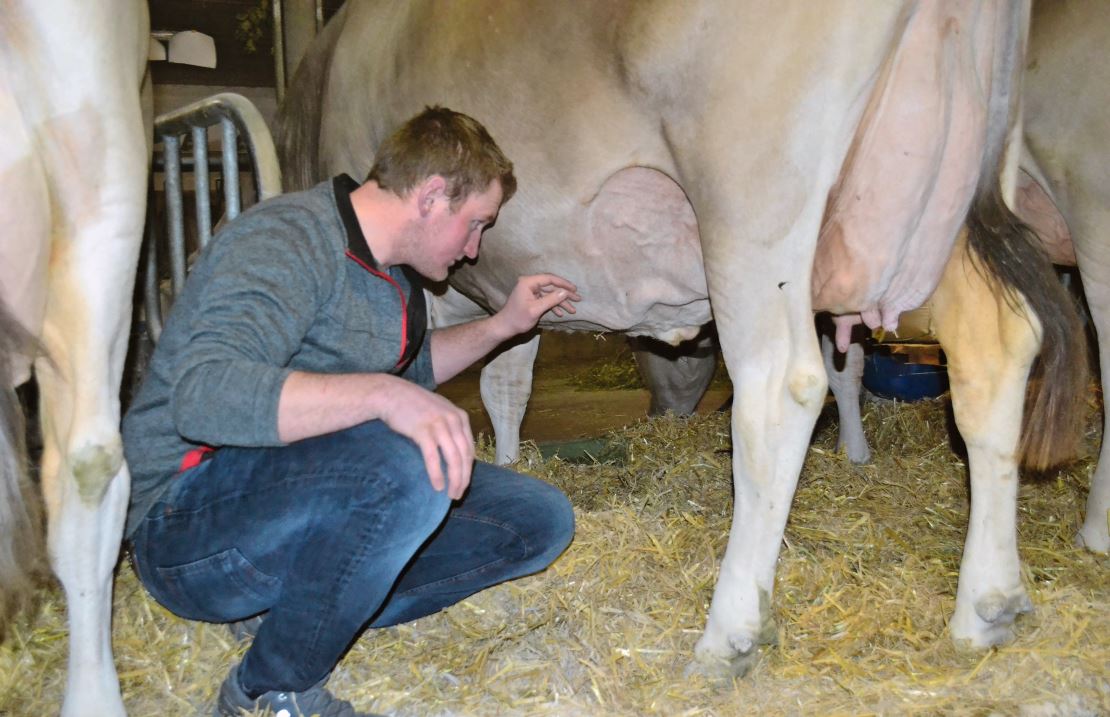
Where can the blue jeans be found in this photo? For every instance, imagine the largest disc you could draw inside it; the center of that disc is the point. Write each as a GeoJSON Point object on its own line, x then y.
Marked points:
{"type": "Point", "coordinates": [334, 533]}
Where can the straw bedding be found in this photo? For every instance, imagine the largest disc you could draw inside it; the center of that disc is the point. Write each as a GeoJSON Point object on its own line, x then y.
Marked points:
{"type": "Point", "coordinates": [866, 582]}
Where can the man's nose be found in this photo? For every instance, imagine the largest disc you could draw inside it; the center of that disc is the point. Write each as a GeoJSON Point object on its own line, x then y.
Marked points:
{"type": "Point", "coordinates": [471, 249]}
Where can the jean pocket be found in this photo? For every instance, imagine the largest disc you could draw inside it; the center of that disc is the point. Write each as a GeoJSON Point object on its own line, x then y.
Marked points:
{"type": "Point", "coordinates": [220, 588]}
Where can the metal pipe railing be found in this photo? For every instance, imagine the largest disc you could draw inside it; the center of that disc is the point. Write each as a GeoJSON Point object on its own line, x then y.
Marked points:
{"type": "Point", "coordinates": [240, 124]}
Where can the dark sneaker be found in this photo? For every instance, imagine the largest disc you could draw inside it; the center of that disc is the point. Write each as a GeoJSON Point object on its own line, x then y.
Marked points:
{"type": "Point", "coordinates": [316, 701]}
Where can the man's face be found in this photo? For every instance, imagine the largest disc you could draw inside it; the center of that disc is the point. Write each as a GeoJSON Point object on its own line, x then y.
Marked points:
{"type": "Point", "coordinates": [450, 236]}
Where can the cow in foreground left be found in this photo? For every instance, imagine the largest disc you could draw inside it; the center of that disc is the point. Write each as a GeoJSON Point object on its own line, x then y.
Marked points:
{"type": "Point", "coordinates": [74, 162]}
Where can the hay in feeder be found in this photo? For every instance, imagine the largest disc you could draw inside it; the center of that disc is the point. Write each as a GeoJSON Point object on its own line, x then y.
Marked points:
{"type": "Point", "coordinates": [619, 372]}
{"type": "Point", "coordinates": [865, 585]}
{"type": "Point", "coordinates": [616, 373]}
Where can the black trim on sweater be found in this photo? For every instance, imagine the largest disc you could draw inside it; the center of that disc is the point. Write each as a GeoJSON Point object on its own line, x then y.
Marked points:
{"type": "Point", "coordinates": [415, 319]}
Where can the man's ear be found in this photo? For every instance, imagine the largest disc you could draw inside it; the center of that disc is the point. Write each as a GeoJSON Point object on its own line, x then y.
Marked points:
{"type": "Point", "coordinates": [428, 192]}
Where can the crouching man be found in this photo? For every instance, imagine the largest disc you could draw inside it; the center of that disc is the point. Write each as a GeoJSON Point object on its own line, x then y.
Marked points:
{"type": "Point", "coordinates": [289, 458]}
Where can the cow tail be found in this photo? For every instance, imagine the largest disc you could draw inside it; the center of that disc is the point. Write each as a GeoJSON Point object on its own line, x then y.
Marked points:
{"type": "Point", "coordinates": [298, 123]}
{"type": "Point", "coordinates": [1008, 253]}
{"type": "Point", "coordinates": [22, 548]}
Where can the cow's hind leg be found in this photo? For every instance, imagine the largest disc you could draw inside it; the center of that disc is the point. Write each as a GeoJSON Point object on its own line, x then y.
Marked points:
{"type": "Point", "coordinates": [990, 349]}
{"type": "Point", "coordinates": [506, 386]}
{"type": "Point", "coordinates": [1091, 219]}
{"type": "Point", "coordinates": [85, 479]}
{"type": "Point", "coordinates": [86, 485]}
{"type": "Point", "coordinates": [506, 381]}
{"type": "Point", "coordinates": [1094, 534]}
{"type": "Point", "coordinates": [676, 376]}
{"type": "Point", "coordinates": [845, 372]}
{"type": "Point", "coordinates": [779, 389]}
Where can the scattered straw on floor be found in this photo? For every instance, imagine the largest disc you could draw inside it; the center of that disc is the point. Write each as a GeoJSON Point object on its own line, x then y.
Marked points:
{"type": "Point", "coordinates": [865, 586]}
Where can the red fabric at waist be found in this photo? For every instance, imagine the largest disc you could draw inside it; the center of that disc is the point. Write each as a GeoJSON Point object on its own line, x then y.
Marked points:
{"type": "Point", "coordinates": [193, 458]}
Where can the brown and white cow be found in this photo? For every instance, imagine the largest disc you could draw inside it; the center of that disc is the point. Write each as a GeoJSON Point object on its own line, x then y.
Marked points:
{"type": "Point", "coordinates": [1063, 193]}
{"type": "Point", "coordinates": [672, 152]}
{"type": "Point", "coordinates": [73, 170]}
{"type": "Point", "coordinates": [1067, 133]}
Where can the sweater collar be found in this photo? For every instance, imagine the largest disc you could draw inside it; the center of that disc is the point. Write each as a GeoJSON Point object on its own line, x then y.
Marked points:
{"type": "Point", "coordinates": [342, 186]}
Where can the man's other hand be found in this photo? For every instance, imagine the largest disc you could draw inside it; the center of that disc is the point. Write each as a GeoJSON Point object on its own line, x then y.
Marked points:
{"type": "Point", "coordinates": [439, 428]}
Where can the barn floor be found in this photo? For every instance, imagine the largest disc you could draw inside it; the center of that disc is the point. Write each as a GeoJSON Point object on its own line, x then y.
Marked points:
{"type": "Point", "coordinates": [865, 586]}
{"type": "Point", "coordinates": [560, 410]}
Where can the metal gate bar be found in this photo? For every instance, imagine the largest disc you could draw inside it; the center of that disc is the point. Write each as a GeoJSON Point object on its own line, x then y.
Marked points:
{"type": "Point", "coordinates": [240, 123]}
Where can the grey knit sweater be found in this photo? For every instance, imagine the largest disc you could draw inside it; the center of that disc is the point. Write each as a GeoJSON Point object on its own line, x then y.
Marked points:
{"type": "Point", "coordinates": [288, 285]}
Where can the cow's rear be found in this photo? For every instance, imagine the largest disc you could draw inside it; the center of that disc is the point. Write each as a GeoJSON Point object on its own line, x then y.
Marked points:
{"type": "Point", "coordinates": [73, 176]}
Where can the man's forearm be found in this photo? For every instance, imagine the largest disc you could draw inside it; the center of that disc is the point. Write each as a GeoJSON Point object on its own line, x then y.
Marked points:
{"type": "Point", "coordinates": [312, 404]}
{"type": "Point", "coordinates": [455, 348]}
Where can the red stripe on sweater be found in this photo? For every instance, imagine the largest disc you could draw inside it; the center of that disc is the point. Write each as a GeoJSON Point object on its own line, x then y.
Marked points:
{"type": "Point", "coordinates": [400, 294]}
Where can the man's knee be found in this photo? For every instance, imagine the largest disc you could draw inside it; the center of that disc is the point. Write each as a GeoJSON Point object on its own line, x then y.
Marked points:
{"type": "Point", "coordinates": [386, 468]}
{"type": "Point", "coordinates": [375, 447]}
{"type": "Point", "coordinates": [554, 524]}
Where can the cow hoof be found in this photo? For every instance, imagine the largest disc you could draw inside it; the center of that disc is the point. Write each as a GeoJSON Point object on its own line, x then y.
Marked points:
{"type": "Point", "coordinates": [719, 668]}
{"type": "Point", "coordinates": [859, 455]}
{"type": "Point", "coordinates": [991, 623]}
{"type": "Point", "coordinates": [1095, 536]}
{"type": "Point", "coordinates": [729, 657]}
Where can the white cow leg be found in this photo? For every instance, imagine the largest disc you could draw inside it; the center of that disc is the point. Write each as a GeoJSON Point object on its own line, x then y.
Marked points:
{"type": "Point", "coordinates": [1094, 534]}
{"type": "Point", "coordinates": [1095, 531]}
{"type": "Point", "coordinates": [677, 380]}
{"type": "Point", "coordinates": [506, 386]}
{"type": "Point", "coordinates": [506, 381]}
{"type": "Point", "coordinates": [86, 485]}
{"type": "Point", "coordinates": [990, 350]}
{"type": "Point", "coordinates": [780, 387]}
{"type": "Point", "coordinates": [845, 383]}
{"type": "Point", "coordinates": [85, 480]}
{"type": "Point", "coordinates": [86, 501]}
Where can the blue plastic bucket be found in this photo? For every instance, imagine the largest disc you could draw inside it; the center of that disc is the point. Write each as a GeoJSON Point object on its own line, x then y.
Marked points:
{"type": "Point", "coordinates": [891, 376]}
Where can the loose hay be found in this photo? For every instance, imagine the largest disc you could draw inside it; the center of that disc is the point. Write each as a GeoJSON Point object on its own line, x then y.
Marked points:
{"type": "Point", "coordinates": [620, 372]}
{"type": "Point", "coordinates": [614, 374]}
{"type": "Point", "coordinates": [865, 585]}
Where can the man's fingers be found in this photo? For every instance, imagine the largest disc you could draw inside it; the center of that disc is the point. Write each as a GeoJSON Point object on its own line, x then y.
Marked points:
{"type": "Point", "coordinates": [432, 464]}
{"type": "Point", "coordinates": [456, 443]}
{"type": "Point", "coordinates": [552, 279]}
{"type": "Point", "coordinates": [468, 433]}
{"type": "Point", "coordinates": [547, 302]}
{"type": "Point", "coordinates": [464, 443]}
{"type": "Point", "coordinates": [549, 289]}
{"type": "Point", "coordinates": [451, 456]}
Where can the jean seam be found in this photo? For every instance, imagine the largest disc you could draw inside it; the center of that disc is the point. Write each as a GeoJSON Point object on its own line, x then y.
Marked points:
{"type": "Point", "coordinates": [474, 571]}
{"type": "Point", "coordinates": [255, 490]}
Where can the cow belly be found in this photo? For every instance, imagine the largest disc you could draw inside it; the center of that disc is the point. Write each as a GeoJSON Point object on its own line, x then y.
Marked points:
{"type": "Point", "coordinates": [633, 251]}
{"type": "Point", "coordinates": [910, 172]}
